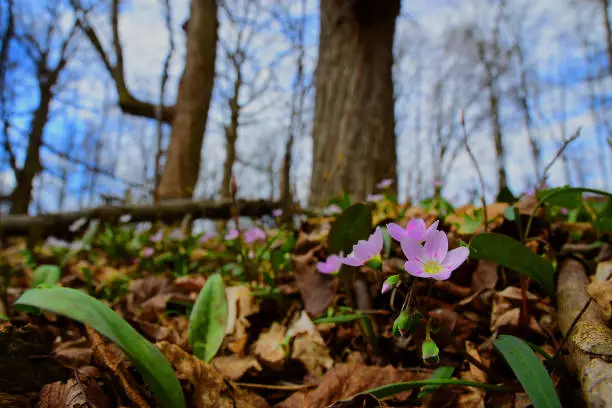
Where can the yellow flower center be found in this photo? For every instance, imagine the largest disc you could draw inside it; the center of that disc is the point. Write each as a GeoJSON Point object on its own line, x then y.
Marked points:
{"type": "Point", "coordinates": [432, 267]}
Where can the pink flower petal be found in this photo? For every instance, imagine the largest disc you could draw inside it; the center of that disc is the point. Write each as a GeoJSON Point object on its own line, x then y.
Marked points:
{"type": "Point", "coordinates": [415, 269]}
{"type": "Point", "coordinates": [436, 246]}
{"type": "Point", "coordinates": [412, 250]}
{"type": "Point", "coordinates": [432, 228]}
{"type": "Point", "coordinates": [444, 275]}
{"type": "Point", "coordinates": [455, 258]}
{"type": "Point", "coordinates": [352, 260]}
{"type": "Point", "coordinates": [397, 232]}
{"type": "Point", "coordinates": [385, 288]}
{"type": "Point", "coordinates": [416, 229]}
{"type": "Point", "coordinates": [376, 240]}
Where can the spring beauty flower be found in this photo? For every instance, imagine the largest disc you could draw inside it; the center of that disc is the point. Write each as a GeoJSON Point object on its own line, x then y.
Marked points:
{"type": "Point", "coordinates": [384, 184]}
{"type": "Point", "coordinates": [232, 234]}
{"type": "Point", "coordinates": [415, 230]}
{"type": "Point", "coordinates": [438, 184]}
{"type": "Point", "coordinates": [147, 252]}
{"type": "Point", "coordinates": [433, 260]}
{"type": "Point", "coordinates": [157, 237]}
{"type": "Point", "coordinates": [207, 237]}
{"type": "Point", "coordinates": [177, 234]}
{"type": "Point", "coordinates": [373, 198]}
{"type": "Point", "coordinates": [332, 209]}
{"type": "Point", "coordinates": [332, 264]}
{"type": "Point", "coordinates": [390, 283]}
{"type": "Point", "coordinates": [278, 212]}
{"type": "Point", "coordinates": [254, 234]}
{"type": "Point", "coordinates": [366, 250]}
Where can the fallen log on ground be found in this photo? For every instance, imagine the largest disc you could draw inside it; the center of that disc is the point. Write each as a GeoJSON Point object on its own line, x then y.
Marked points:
{"type": "Point", "coordinates": [168, 211]}
{"type": "Point", "coordinates": [594, 373]}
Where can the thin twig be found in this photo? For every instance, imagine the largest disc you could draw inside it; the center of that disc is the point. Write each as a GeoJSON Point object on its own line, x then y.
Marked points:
{"type": "Point", "coordinates": [558, 154]}
{"type": "Point", "coordinates": [478, 171]}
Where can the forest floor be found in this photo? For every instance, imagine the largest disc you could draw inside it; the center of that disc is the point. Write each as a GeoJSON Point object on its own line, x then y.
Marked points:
{"type": "Point", "coordinates": [294, 337]}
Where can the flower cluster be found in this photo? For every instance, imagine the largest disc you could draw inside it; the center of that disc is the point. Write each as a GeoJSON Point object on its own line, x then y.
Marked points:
{"type": "Point", "coordinates": [426, 250]}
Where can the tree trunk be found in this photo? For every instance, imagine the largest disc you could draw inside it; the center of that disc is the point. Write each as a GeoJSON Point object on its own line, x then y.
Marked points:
{"type": "Point", "coordinates": [193, 100]}
{"type": "Point", "coordinates": [231, 135]}
{"type": "Point", "coordinates": [608, 29]}
{"type": "Point", "coordinates": [22, 194]}
{"type": "Point", "coordinates": [500, 151]}
{"type": "Point", "coordinates": [354, 124]}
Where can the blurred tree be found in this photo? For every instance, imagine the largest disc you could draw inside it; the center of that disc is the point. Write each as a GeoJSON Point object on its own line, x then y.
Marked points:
{"type": "Point", "coordinates": [354, 124]}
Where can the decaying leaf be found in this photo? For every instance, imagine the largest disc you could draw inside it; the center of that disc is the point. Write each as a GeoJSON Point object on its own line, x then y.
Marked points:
{"type": "Point", "coordinates": [208, 387]}
{"type": "Point", "coordinates": [234, 367]}
{"type": "Point", "coordinates": [318, 290]}
{"type": "Point", "coordinates": [74, 353]}
{"type": "Point", "coordinates": [506, 311]}
{"type": "Point", "coordinates": [474, 397]}
{"type": "Point", "coordinates": [240, 304]}
{"type": "Point", "coordinates": [269, 347]}
{"type": "Point", "coordinates": [308, 346]}
{"type": "Point", "coordinates": [359, 401]}
{"type": "Point", "coordinates": [601, 293]}
{"type": "Point", "coordinates": [345, 380]}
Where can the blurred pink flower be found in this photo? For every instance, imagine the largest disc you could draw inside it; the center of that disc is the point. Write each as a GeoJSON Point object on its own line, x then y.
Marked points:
{"type": "Point", "coordinates": [332, 209]}
{"type": "Point", "coordinates": [177, 234]}
{"type": "Point", "coordinates": [384, 183]}
{"type": "Point", "coordinates": [373, 198]}
{"type": "Point", "coordinates": [254, 234]}
{"type": "Point", "coordinates": [157, 237]}
{"type": "Point", "coordinates": [438, 184]}
{"type": "Point", "coordinates": [207, 237]}
{"type": "Point", "coordinates": [147, 252]}
{"type": "Point", "coordinates": [365, 250]}
{"type": "Point", "coordinates": [434, 260]}
{"type": "Point", "coordinates": [277, 212]}
{"type": "Point", "coordinates": [232, 234]}
{"type": "Point", "coordinates": [332, 264]}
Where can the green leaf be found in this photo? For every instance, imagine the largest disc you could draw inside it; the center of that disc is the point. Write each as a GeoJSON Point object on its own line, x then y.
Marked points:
{"type": "Point", "coordinates": [208, 319]}
{"type": "Point", "coordinates": [509, 213]}
{"type": "Point", "coordinates": [567, 197]}
{"type": "Point", "coordinates": [351, 225]}
{"type": "Point", "coordinates": [442, 373]}
{"type": "Point", "coordinates": [529, 370]}
{"type": "Point", "coordinates": [147, 359]}
{"type": "Point", "coordinates": [396, 388]}
{"type": "Point", "coordinates": [508, 252]}
{"type": "Point", "coordinates": [46, 274]}
{"type": "Point", "coordinates": [339, 319]}
{"type": "Point", "coordinates": [471, 224]}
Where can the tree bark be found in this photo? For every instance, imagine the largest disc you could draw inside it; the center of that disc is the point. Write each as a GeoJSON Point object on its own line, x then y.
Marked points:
{"type": "Point", "coordinates": [231, 135]}
{"type": "Point", "coordinates": [354, 124]}
{"type": "Point", "coordinates": [195, 89]}
{"type": "Point", "coordinates": [605, 4]}
{"type": "Point", "coordinates": [22, 194]}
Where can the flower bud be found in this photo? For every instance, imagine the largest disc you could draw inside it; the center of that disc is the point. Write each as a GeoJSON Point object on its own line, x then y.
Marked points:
{"type": "Point", "coordinates": [430, 352]}
{"type": "Point", "coordinates": [405, 323]}
{"type": "Point", "coordinates": [390, 283]}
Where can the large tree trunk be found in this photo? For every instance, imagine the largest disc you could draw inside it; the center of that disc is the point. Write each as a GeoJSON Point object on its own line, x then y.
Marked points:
{"type": "Point", "coordinates": [22, 194]}
{"type": "Point", "coordinates": [354, 124]}
{"type": "Point", "coordinates": [195, 89]}
{"type": "Point", "coordinates": [500, 151]}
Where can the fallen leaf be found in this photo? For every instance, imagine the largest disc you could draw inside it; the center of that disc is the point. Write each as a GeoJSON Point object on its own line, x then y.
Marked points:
{"type": "Point", "coordinates": [318, 290]}
{"type": "Point", "coordinates": [308, 346]}
{"type": "Point", "coordinates": [240, 304]}
{"type": "Point", "coordinates": [473, 397]}
{"type": "Point", "coordinates": [359, 401]}
{"type": "Point", "coordinates": [269, 347]}
{"type": "Point", "coordinates": [62, 395]}
{"type": "Point", "coordinates": [345, 380]}
{"type": "Point", "coordinates": [485, 276]}
{"type": "Point", "coordinates": [208, 387]}
{"type": "Point", "coordinates": [601, 293]}
{"type": "Point", "coordinates": [234, 367]}
{"type": "Point", "coordinates": [74, 353]}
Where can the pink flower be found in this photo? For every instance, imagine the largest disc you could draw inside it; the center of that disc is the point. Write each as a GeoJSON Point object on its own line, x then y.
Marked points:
{"type": "Point", "coordinates": [157, 237]}
{"type": "Point", "coordinates": [254, 234]}
{"type": "Point", "coordinates": [148, 252]}
{"type": "Point", "coordinates": [232, 234]}
{"type": "Point", "coordinates": [434, 260]}
{"type": "Point", "coordinates": [364, 250]}
{"type": "Point", "coordinates": [415, 230]}
{"type": "Point", "coordinates": [278, 212]}
{"type": "Point", "coordinates": [438, 184]}
{"type": "Point", "coordinates": [332, 264]}
{"type": "Point", "coordinates": [177, 234]}
{"type": "Point", "coordinates": [564, 211]}
{"type": "Point", "coordinates": [373, 198]}
{"type": "Point", "coordinates": [207, 237]}
{"type": "Point", "coordinates": [384, 183]}
{"type": "Point", "coordinates": [332, 209]}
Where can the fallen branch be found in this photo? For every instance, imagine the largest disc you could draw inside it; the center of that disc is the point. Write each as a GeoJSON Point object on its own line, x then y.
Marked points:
{"type": "Point", "coordinates": [595, 374]}
{"type": "Point", "coordinates": [168, 211]}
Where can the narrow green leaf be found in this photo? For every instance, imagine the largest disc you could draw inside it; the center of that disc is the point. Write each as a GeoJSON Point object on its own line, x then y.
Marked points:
{"type": "Point", "coordinates": [147, 359]}
{"type": "Point", "coordinates": [396, 388]}
{"type": "Point", "coordinates": [529, 370]}
{"type": "Point", "coordinates": [47, 275]}
{"type": "Point", "coordinates": [208, 319]}
{"type": "Point", "coordinates": [512, 254]}
{"type": "Point", "coordinates": [442, 373]}
{"type": "Point", "coordinates": [353, 224]}
{"type": "Point", "coordinates": [339, 319]}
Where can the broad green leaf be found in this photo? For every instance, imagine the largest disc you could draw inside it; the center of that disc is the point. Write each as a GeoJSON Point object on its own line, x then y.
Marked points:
{"type": "Point", "coordinates": [512, 254]}
{"type": "Point", "coordinates": [529, 370]}
{"type": "Point", "coordinates": [208, 319]}
{"type": "Point", "coordinates": [566, 197]}
{"type": "Point", "coordinates": [392, 389]}
{"type": "Point", "coordinates": [442, 373]}
{"type": "Point", "coordinates": [46, 274]}
{"type": "Point", "coordinates": [147, 359]}
{"type": "Point", "coordinates": [351, 225]}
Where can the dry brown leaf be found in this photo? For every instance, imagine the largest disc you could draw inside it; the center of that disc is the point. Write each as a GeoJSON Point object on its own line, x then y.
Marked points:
{"type": "Point", "coordinates": [74, 353]}
{"type": "Point", "coordinates": [359, 401]}
{"type": "Point", "coordinates": [234, 367]}
{"type": "Point", "coordinates": [345, 380]}
{"type": "Point", "coordinates": [15, 401]}
{"type": "Point", "coordinates": [308, 346]}
{"type": "Point", "coordinates": [485, 276]}
{"type": "Point", "coordinates": [62, 395]}
{"type": "Point", "coordinates": [318, 290]}
{"type": "Point", "coordinates": [473, 397]}
{"type": "Point", "coordinates": [601, 293]}
{"type": "Point", "coordinates": [208, 387]}
{"type": "Point", "coordinates": [240, 304]}
{"type": "Point", "coordinates": [269, 347]}
{"type": "Point", "coordinates": [109, 355]}
{"type": "Point", "coordinates": [506, 311]}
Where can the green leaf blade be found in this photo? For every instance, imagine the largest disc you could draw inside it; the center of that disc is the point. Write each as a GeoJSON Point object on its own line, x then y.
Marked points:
{"type": "Point", "coordinates": [442, 373]}
{"type": "Point", "coordinates": [148, 360]}
{"type": "Point", "coordinates": [353, 224]}
{"type": "Point", "coordinates": [529, 370]}
{"type": "Point", "coordinates": [208, 319]}
{"type": "Point", "coordinates": [46, 275]}
{"type": "Point", "coordinates": [512, 254]}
